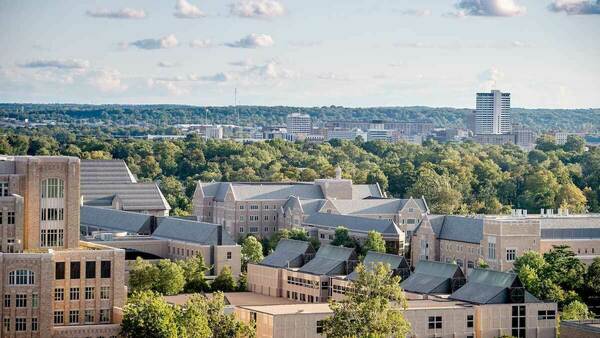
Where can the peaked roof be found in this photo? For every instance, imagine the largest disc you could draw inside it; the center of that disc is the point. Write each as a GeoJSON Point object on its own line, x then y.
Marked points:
{"type": "Point", "coordinates": [394, 261]}
{"type": "Point", "coordinates": [362, 191]}
{"type": "Point", "coordinates": [354, 223]}
{"type": "Point", "coordinates": [373, 206]}
{"type": "Point", "coordinates": [104, 180]}
{"type": "Point", "coordinates": [456, 228]}
{"type": "Point", "coordinates": [432, 277]}
{"type": "Point", "coordinates": [190, 231]}
{"type": "Point", "coordinates": [489, 287]}
{"type": "Point", "coordinates": [288, 253]}
{"type": "Point", "coordinates": [116, 220]}
{"type": "Point", "coordinates": [329, 260]}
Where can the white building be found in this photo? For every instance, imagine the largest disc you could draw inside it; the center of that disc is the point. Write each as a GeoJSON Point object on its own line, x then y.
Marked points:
{"type": "Point", "coordinates": [299, 124]}
{"type": "Point", "coordinates": [345, 134]}
{"type": "Point", "coordinates": [493, 113]}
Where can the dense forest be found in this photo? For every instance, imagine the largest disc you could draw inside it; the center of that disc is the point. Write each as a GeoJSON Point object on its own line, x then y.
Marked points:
{"type": "Point", "coordinates": [462, 178]}
{"type": "Point", "coordinates": [574, 120]}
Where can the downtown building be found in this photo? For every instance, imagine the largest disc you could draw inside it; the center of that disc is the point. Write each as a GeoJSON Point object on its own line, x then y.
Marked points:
{"type": "Point", "coordinates": [492, 113]}
{"type": "Point", "coordinates": [298, 123]}
{"type": "Point", "coordinates": [53, 284]}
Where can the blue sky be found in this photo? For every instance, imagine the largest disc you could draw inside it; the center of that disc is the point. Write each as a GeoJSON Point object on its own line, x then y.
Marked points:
{"type": "Point", "coordinates": [305, 53]}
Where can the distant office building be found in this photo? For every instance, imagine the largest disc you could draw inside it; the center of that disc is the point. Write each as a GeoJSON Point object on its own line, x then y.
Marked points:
{"type": "Point", "coordinates": [377, 132]}
{"type": "Point", "coordinates": [213, 132]}
{"type": "Point", "coordinates": [524, 138]}
{"type": "Point", "coordinates": [405, 127]}
{"type": "Point", "coordinates": [299, 123]}
{"type": "Point", "coordinates": [497, 139]}
{"type": "Point", "coordinates": [493, 113]}
{"type": "Point", "coordinates": [345, 134]}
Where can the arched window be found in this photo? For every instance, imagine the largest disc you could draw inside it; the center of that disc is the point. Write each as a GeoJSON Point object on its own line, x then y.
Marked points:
{"type": "Point", "coordinates": [21, 277]}
{"type": "Point", "coordinates": [53, 188]}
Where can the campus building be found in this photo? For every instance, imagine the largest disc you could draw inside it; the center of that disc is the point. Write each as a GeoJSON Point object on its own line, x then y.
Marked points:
{"type": "Point", "coordinates": [254, 208]}
{"type": "Point", "coordinates": [53, 284]}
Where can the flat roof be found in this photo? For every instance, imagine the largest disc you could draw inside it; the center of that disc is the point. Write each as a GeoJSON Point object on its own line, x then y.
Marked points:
{"type": "Point", "coordinates": [235, 299]}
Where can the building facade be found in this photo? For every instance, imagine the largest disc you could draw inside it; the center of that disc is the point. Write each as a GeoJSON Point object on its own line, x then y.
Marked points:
{"type": "Point", "coordinates": [52, 284]}
{"type": "Point", "coordinates": [299, 124]}
{"type": "Point", "coordinates": [493, 113]}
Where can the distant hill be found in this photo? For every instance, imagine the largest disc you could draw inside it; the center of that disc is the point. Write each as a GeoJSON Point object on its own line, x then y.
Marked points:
{"type": "Point", "coordinates": [587, 120]}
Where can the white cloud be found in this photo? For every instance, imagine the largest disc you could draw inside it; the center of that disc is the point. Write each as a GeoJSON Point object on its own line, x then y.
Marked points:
{"type": "Point", "coordinates": [185, 10]}
{"type": "Point", "coordinates": [170, 86]}
{"type": "Point", "coordinates": [487, 8]}
{"type": "Point", "coordinates": [124, 13]}
{"type": "Point", "coordinates": [489, 79]}
{"type": "Point", "coordinates": [332, 77]}
{"type": "Point", "coordinates": [271, 70]}
{"type": "Point", "coordinates": [57, 63]}
{"type": "Point", "coordinates": [107, 80]}
{"type": "Point", "coordinates": [576, 7]}
{"type": "Point", "coordinates": [416, 12]}
{"type": "Point", "coordinates": [253, 41]}
{"type": "Point", "coordinates": [218, 77]}
{"type": "Point", "coordinates": [167, 64]}
{"type": "Point", "coordinates": [206, 43]}
{"type": "Point", "coordinates": [168, 41]}
{"type": "Point", "coordinates": [263, 9]}
{"type": "Point", "coordinates": [241, 63]}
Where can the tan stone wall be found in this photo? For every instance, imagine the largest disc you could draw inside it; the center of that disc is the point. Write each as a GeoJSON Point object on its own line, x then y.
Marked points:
{"type": "Point", "coordinates": [313, 288]}
{"type": "Point", "coordinates": [454, 321]}
{"type": "Point", "coordinates": [221, 260]}
{"type": "Point", "coordinates": [265, 280]}
{"type": "Point", "coordinates": [521, 235]}
{"type": "Point", "coordinates": [496, 319]}
{"type": "Point", "coordinates": [465, 254]}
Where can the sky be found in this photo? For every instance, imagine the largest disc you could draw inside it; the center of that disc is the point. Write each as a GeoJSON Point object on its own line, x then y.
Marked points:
{"type": "Point", "coordinates": [354, 53]}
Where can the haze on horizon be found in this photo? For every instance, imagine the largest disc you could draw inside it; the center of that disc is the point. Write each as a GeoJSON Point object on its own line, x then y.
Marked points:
{"type": "Point", "coordinates": [301, 53]}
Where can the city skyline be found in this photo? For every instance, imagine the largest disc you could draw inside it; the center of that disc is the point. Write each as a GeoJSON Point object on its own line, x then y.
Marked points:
{"type": "Point", "coordinates": [351, 53]}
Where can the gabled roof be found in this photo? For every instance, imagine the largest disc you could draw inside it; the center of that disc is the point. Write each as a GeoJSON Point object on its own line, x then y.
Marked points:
{"type": "Point", "coordinates": [307, 207]}
{"type": "Point", "coordinates": [289, 253]}
{"type": "Point", "coordinates": [372, 206]}
{"type": "Point", "coordinates": [330, 260]}
{"type": "Point", "coordinates": [362, 191]}
{"type": "Point", "coordinates": [394, 261]}
{"type": "Point", "coordinates": [490, 287]}
{"type": "Point", "coordinates": [353, 223]}
{"type": "Point", "coordinates": [103, 181]}
{"type": "Point", "coordinates": [456, 228]}
{"type": "Point", "coordinates": [190, 231]}
{"type": "Point", "coordinates": [432, 277]}
{"type": "Point", "coordinates": [115, 220]}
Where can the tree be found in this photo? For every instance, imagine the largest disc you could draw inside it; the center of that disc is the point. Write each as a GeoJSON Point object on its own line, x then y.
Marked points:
{"type": "Point", "coordinates": [225, 325]}
{"type": "Point", "coordinates": [170, 279]}
{"type": "Point", "coordinates": [143, 275]}
{"type": "Point", "coordinates": [574, 144]}
{"type": "Point", "coordinates": [374, 242]}
{"type": "Point", "coordinates": [576, 310]}
{"type": "Point", "coordinates": [482, 264]}
{"type": "Point", "coordinates": [377, 176]}
{"type": "Point", "coordinates": [572, 198]}
{"type": "Point", "coordinates": [224, 281]}
{"type": "Point", "coordinates": [192, 320]}
{"type": "Point", "coordinates": [565, 269]}
{"type": "Point", "coordinates": [439, 193]}
{"type": "Point", "coordinates": [592, 277]}
{"type": "Point", "coordinates": [146, 314]}
{"type": "Point", "coordinates": [373, 309]}
{"type": "Point", "coordinates": [194, 272]}
{"type": "Point", "coordinates": [308, 175]}
{"type": "Point", "coordinates": [252, 251]}
{"type": "Point", "coordinates": [342, 237]}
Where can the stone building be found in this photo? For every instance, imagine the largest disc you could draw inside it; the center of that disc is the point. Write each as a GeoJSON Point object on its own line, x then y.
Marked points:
{"type": "Point", "coordinates": [53, 285]}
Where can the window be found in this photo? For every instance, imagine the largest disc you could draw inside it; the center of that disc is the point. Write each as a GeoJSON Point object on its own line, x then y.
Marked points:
{"type": "Point", "coordinates": [7, 300]}
{"type": "Point", "coordinates": [266, 229]}
{"type": "Point", "coordinates": [241, 218]}
{"type": "Point", "coordinates": [59, 270]}
{"type": "Point", "coordinates": [21, 277]}
{"type": "Point", "coordinates": [89, 292]}
{"type": "Point", "coordinates": [546, 314]}
{"type": "Point", "coordinates": [3, 188]}
{"type": "Point", "coordinates": [89, 316]}
{"type": "Point", "coordinates": [53, 188]}
{"type": "Point", "coordinates": [104, 315]}
{"type": "Point", "coordinates": [52, 214]}
{"type": "Point", "coordinates": [74, 293]}
{"type": "Point", "coordinates": [34, 324]}
{"type": "Point", "coordinates": [75, 270]}
{"type": "Point", "coordinates": [11, 218]}
{"type": "Point", "coordinates": [104, 292]}
{"type": "Point", "coordinates": [470, 265]}
{"type": "Point", "coordinates": [511, 254]}
{"type": "Point", "coordinates": [266, 207]}
{"type": "Point", "coordinates": [6, 324]}
{"type": "Point", "coordinates": [253, 229]}
{"type": "Point", "coordinates": [59, 317]}
{"type": "Point", "coordinates": [90, 270]}
{"type": "Point", "coordinates": [51, 237]}
{"type": "Point", "coordinates": [492, 247]}
{"type": "Point", "coordinates": [518, 321]}
{"type": "Point", "coordinates": [253, 218]}
{"type": "Point", "coordinates": [469, 320]}
{"type": "Point", "coordinates": [35, 299]}
{"type": "Point", "coordinates": [21, 300]}
{"type": "Point", "coordinates": [241, 207]}
{"type": "Point", "coordinates": [228, 254]}
{"type": "Point", "coordinates": [241, 229]}
{"type": "Point", "coordinates": [322, 236]}
{"type": "Point", "coordinates": [266, 217]}
{"type": "Point", "coordinates": [435, 322]}
{"type": "Point", "coordinates": [74, 317]}
{"type": "Point", "coordinates": [319, 326]}
{"type": "Point", "coordinates": [254, 207]}
{"type": "Point", "coordinates": [20, 324]}
{"type": "Point", "coordinates": [59, 294]}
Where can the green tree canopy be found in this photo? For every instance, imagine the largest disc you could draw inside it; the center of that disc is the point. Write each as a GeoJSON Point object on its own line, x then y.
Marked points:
{"type": "Point", "coordinates": [146, 314]}
{"type": "Point", "coordinates": [252, 251]}
{"type": "Point", "coordinates": [576, 310]}
{"type": "Point", "coordinates": [224, 281]}
{"type": "Point", "coordinates": [374, 242]}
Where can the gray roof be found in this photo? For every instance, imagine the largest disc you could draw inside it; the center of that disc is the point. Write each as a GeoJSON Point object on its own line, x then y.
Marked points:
{"type": "Point", "coordinates": [394, 261]}
{"type": "Point", "coordinates": [288, 253]}
{"type": "Point", "coordinates": [489, 287]}
{"type": "Point", "coordinates": [104, 180]}
{"type": "Point", "coordinates": [456, 228]}
{"type": "Point", "coordinates": [116, 220]}
{"type": "Point", "coordinates": [373, 206]}
{"type": "Point", "coordinates": [432, 277]}
{"type": "Point", "coordinates": [330, 260]}
{"type": "Point", "coordinates": [353, 223]}
{"type": "Point", "coordinates": [190, 231]}
{"type": "Point", "coordinates": [308, 206]}
{"type": "Point", "coordinates": [361, 191]}
{"type": "Point", "coordinates": [570, 233]}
